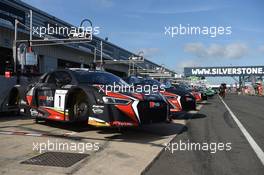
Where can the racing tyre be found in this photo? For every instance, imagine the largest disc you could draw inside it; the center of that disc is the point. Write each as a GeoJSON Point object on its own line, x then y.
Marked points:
{"type": "Point", "coordinates": [80, 108]}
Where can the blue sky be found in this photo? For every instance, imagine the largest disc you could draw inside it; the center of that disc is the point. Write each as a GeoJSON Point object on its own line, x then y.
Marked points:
{"type": "Point", "coordinates": [140, 25]}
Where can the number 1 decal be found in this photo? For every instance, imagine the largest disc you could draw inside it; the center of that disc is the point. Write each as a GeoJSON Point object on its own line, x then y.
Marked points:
{"type": "Point", "coordinates": [59, 101]}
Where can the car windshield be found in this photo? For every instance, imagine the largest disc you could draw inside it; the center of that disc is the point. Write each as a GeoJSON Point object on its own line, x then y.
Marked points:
{"type": "Point", "coordinates": [142, 81]}
{"type": "Point", "coordinates": [185, 87]}
{"type": "Point", "coordinates": [150, 82]}
{"type": "Point", "coordinates": [201, 89]}
{"type": "Point", "coordinates": [133, 80]}
{"type": "Point", "coordinates": [177, 86]}
{"type": "Point", "coordinates": [98, 78]}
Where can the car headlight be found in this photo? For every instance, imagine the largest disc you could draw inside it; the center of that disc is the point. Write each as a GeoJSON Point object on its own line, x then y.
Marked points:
{"type": "Point", "coordinates": [113, 100]}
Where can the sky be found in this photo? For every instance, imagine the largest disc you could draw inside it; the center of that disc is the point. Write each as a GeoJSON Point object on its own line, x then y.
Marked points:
{"type": "Point", "coordinates": [141, 26]}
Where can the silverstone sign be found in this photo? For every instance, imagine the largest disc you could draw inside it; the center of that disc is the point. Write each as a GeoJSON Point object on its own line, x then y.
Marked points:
{"type": "Point", "coordinates": [224, 71]}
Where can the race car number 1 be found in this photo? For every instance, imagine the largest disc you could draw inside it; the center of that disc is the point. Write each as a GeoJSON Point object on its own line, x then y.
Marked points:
{"type": "Point", "coordinates": [59, 101]}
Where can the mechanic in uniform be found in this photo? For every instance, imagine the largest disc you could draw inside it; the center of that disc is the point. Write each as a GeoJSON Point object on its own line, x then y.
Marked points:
{"type": "Point", "coordinates": [260, 89]}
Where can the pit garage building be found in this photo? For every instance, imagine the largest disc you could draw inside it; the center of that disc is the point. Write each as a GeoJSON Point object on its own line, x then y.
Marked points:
{"type": "Point", "coordinates": [57, 56]}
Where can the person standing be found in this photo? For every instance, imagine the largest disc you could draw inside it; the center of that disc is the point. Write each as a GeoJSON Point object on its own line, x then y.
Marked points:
{"type": "Point", "coordinates": [260, 89]}
{"type": "Point", "coordinates": [222, 89]}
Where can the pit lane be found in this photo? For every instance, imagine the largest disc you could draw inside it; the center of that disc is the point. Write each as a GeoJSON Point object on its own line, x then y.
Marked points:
{"type": "Point", "coordinates": [216, 124]}
{"type": "Point", "coordinates": [128, 150]}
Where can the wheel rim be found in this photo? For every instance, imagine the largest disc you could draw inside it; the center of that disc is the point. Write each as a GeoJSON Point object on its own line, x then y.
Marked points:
{"type": "Point", "coordinates": [81, 109]}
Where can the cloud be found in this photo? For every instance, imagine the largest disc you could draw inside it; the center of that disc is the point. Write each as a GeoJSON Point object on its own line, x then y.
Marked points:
{"type": "Point", "coordinates": [261, 48]}
{"type": "Point", "coordinates": [149, 52]}
{"type": "Point", "coordinates": [178, 11]}
{"type": "Point", "coordinates": [187, 63]}
{"type": "Point", "coordinates": [195, 48]}
{"type": "Point", "coordinates": [172, 8]}
{"type": "Point", "coordinates": [229, 51]}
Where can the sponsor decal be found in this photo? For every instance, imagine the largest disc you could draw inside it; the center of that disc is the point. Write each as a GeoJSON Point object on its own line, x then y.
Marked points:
{"type": "Point", "coordinates": [98, 106]}
{"type": "Point", "coordinates": [48, 98]}
{"type": "Point", "coordinates": [118, 123]}
{"type": "Point", "coordinates": [154, 104]}
{"type": "Point", "coordinates": [98, 109]}
{"type": "Point", "coordinates": [35, 113]}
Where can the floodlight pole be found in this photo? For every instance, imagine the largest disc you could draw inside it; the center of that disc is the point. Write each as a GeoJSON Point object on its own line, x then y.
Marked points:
{"type": "Point", "coordinates": [94, 55]}
{"type": "Point", "coordinates": [133, 68]}
{"type": "Point", "coordinates": [129, 65]}
{"type": "Point", "coordinates": [101, 55]}
{"type": "Point", "coordinates": [15, 53]}
{"type": "Point", "coordinates": [30, 28]}
{"type": "Point", "coordinates": [15, 47]}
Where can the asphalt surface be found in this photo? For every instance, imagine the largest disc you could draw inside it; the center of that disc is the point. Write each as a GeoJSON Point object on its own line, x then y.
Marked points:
{"type": "Point", "coordinates": [214, 124]}
{"type": "Point", "coordinates": [142, 149]}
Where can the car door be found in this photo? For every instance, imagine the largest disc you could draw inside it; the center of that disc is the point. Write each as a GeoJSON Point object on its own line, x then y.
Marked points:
{"type": "Point", "coordinates": [51, 94]}
{"type": "Point", "coordinates": [45, 91]}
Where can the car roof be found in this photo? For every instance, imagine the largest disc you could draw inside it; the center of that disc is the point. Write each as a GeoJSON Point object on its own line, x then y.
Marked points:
{"type": "Point", "coordinates": [79, 70]}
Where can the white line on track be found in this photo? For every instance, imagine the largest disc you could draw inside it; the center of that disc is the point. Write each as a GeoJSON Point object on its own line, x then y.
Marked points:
{"type": "Point", "coordinates": [251, 141]}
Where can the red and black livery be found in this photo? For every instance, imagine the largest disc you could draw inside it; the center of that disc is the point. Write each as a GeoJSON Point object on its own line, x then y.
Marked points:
{"type": "Point", "coordinates": [72, 95]}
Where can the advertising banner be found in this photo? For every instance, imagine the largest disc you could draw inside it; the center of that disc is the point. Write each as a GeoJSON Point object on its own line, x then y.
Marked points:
{"type": "Point", "coordinates": [224, 71]}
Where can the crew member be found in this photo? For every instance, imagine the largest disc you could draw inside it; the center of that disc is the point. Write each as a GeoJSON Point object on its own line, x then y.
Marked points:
{"type": "Point", "coordinates": [260, 89]}
{"type": "Point", "coordinates": [222, 89]}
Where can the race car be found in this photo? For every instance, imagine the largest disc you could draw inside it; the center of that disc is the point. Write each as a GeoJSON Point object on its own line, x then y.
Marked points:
{"type": "Point", "coordinates": [199, 96]}
{"type": "Point", "coordinates": [209, 92]}
{"type": "Point", "coordinates": [188, 100]}
{"type": "Point", "coordinates": [200, 93]}
{"type": "Point", "coordinates": [178, 101]}
{"type": "Point", "coordinates": [72, 95]}
{"type": "Point", "coordinates": [173, 99]}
